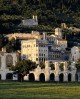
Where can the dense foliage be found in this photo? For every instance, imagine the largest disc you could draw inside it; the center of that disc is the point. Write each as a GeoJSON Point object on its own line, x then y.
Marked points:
{"type": "Point", "coordinates": [51, 13]}
{"type": "Point", "coordinates": [22, 67]}
{"type": "Point", "coordinates": [52, 66]}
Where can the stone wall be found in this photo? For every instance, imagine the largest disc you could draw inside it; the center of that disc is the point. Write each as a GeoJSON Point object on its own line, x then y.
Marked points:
{"type": "Point", "coordinates": [57, 74]}
{"type": "Point", "coordinates": [6, 60]}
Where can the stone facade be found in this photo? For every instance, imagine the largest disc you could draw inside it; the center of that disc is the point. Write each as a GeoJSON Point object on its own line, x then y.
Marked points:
{"type": "Point", "coordinates": [35, 50]}
{"type": "Point", "coordinates": [41, 48]}
{"type": "Point", "coordinates": [6, 59]}
{"type": "Point", "coordinates": [57, 74]}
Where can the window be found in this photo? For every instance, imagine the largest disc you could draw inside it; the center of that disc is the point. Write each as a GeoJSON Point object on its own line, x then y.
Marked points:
{"type": "Point", "coordinates": [36, 59]}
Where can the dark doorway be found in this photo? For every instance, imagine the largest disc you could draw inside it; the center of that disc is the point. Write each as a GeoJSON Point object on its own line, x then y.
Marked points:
{"type": "Point", "coordinates": [76, 77]}
{"type": "Point", "coordinates": [31, 77]}
{"type": "Point", "coordinates": [0, 76]}
{"type": "Point", "coordinates": [52, 77]}
{"type": "Point", "coordinates": [61, 77]}
{"type": "Point", "coordinates": [42, 77]}
{"type": "Point", "coordinates": [9, 76]}
{"type": "Point", "coordinates": [20, 77]}
{"type": "Point", "coordinates": [69, 77]}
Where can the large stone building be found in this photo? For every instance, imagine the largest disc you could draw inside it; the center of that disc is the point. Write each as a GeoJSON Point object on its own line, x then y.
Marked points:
{"type": "Point", "coordinates": [30, 22]}
{"type": "Point", "coordinates": [7, 59]}
{"type": "Point", "coordinates": [35, 50]}
{"type": "Point", "coordinates": [48, 49]}
{"type": "Point", "coordinates": [24, 36]}
{"type": "Point", "coordinates": [34, 34]}
{"type": "Point", "coordinates": [44, 47]}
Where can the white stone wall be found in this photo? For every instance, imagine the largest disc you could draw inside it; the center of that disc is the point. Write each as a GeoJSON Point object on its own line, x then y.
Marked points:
{"type": "Point", "coordinates": [57, 72]}
{"type": "Point", "coordinates": [4, 69]}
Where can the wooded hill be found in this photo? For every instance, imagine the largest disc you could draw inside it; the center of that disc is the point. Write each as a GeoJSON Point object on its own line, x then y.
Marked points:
{"type": "Point", "coordinates": [51, 13]}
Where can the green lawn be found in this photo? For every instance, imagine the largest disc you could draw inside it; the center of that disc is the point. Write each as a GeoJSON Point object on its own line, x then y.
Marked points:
{"type": "Point", "coordinates": [37, 90]}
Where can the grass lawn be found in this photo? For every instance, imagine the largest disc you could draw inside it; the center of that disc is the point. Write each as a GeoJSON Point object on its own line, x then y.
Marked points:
{"type": "Point", "coordinates": [37, 90]}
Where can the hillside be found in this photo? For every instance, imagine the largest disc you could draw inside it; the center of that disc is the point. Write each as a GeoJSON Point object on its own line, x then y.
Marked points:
{"type": "Point", "coordinates": [51, 13]}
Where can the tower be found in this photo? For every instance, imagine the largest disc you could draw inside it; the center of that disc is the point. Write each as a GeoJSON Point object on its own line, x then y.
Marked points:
{"type": "Point", "coordinates": [58, 32]}
{"type": "Point", "coordinates": [44, 36]}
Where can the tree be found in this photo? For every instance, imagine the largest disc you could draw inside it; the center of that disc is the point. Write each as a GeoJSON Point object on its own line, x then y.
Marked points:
{"type": "Point", "coordinates": [69, 67]}
{"type": "Point", "coordinates": [23, 67]}
{"type": "Point", "coordinates": [42, 65]}
{"type": "Point", "coordinates": [10, 46]}
{"type": "Point", "coordinates": [13, 11]}
{"type": "Point", "coordinates": [78, 65]}
{"type": "Point", "coordinates": [61, 66]}
{"type": "Point", "coordinates": [52, 66]}
{"type": "Point", "coordinates": [13, 45]}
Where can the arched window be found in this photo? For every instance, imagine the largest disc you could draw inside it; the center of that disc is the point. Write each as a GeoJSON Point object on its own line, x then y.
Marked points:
{"type": "Point", "coordinates": [31, 77]}
{"type": "Point", "coordinates": [52, 77]}
{"type": "Point", "coordinates": [69, 77]}
{"type": "Point", "coordinates": [42, 77]}
{"type": "Point", "coordinates": [9, 76]}
{"type": "Point", "coordinates": [61, 77]}
{"type": "Point", "coordinates": [9, 60]}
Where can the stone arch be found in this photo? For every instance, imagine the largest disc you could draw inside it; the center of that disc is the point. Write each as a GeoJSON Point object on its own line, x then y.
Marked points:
{"type": "Point", "coordinates": [31, 77]}
{"type": "Point", "coordinates": [52, 77]}
{"type": "Point", "coordinates": [61, 77]}
{"type": "Point", "coordinates": [9, 76]}
{"type": "Point", "coordinates": [0, 76]}
{"type": "Point", "coordinates": [69, 77]}
{"type": "Point", "coordinates": [42, 77]}
{"type": "Point", "coordinates": [76, 77]}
